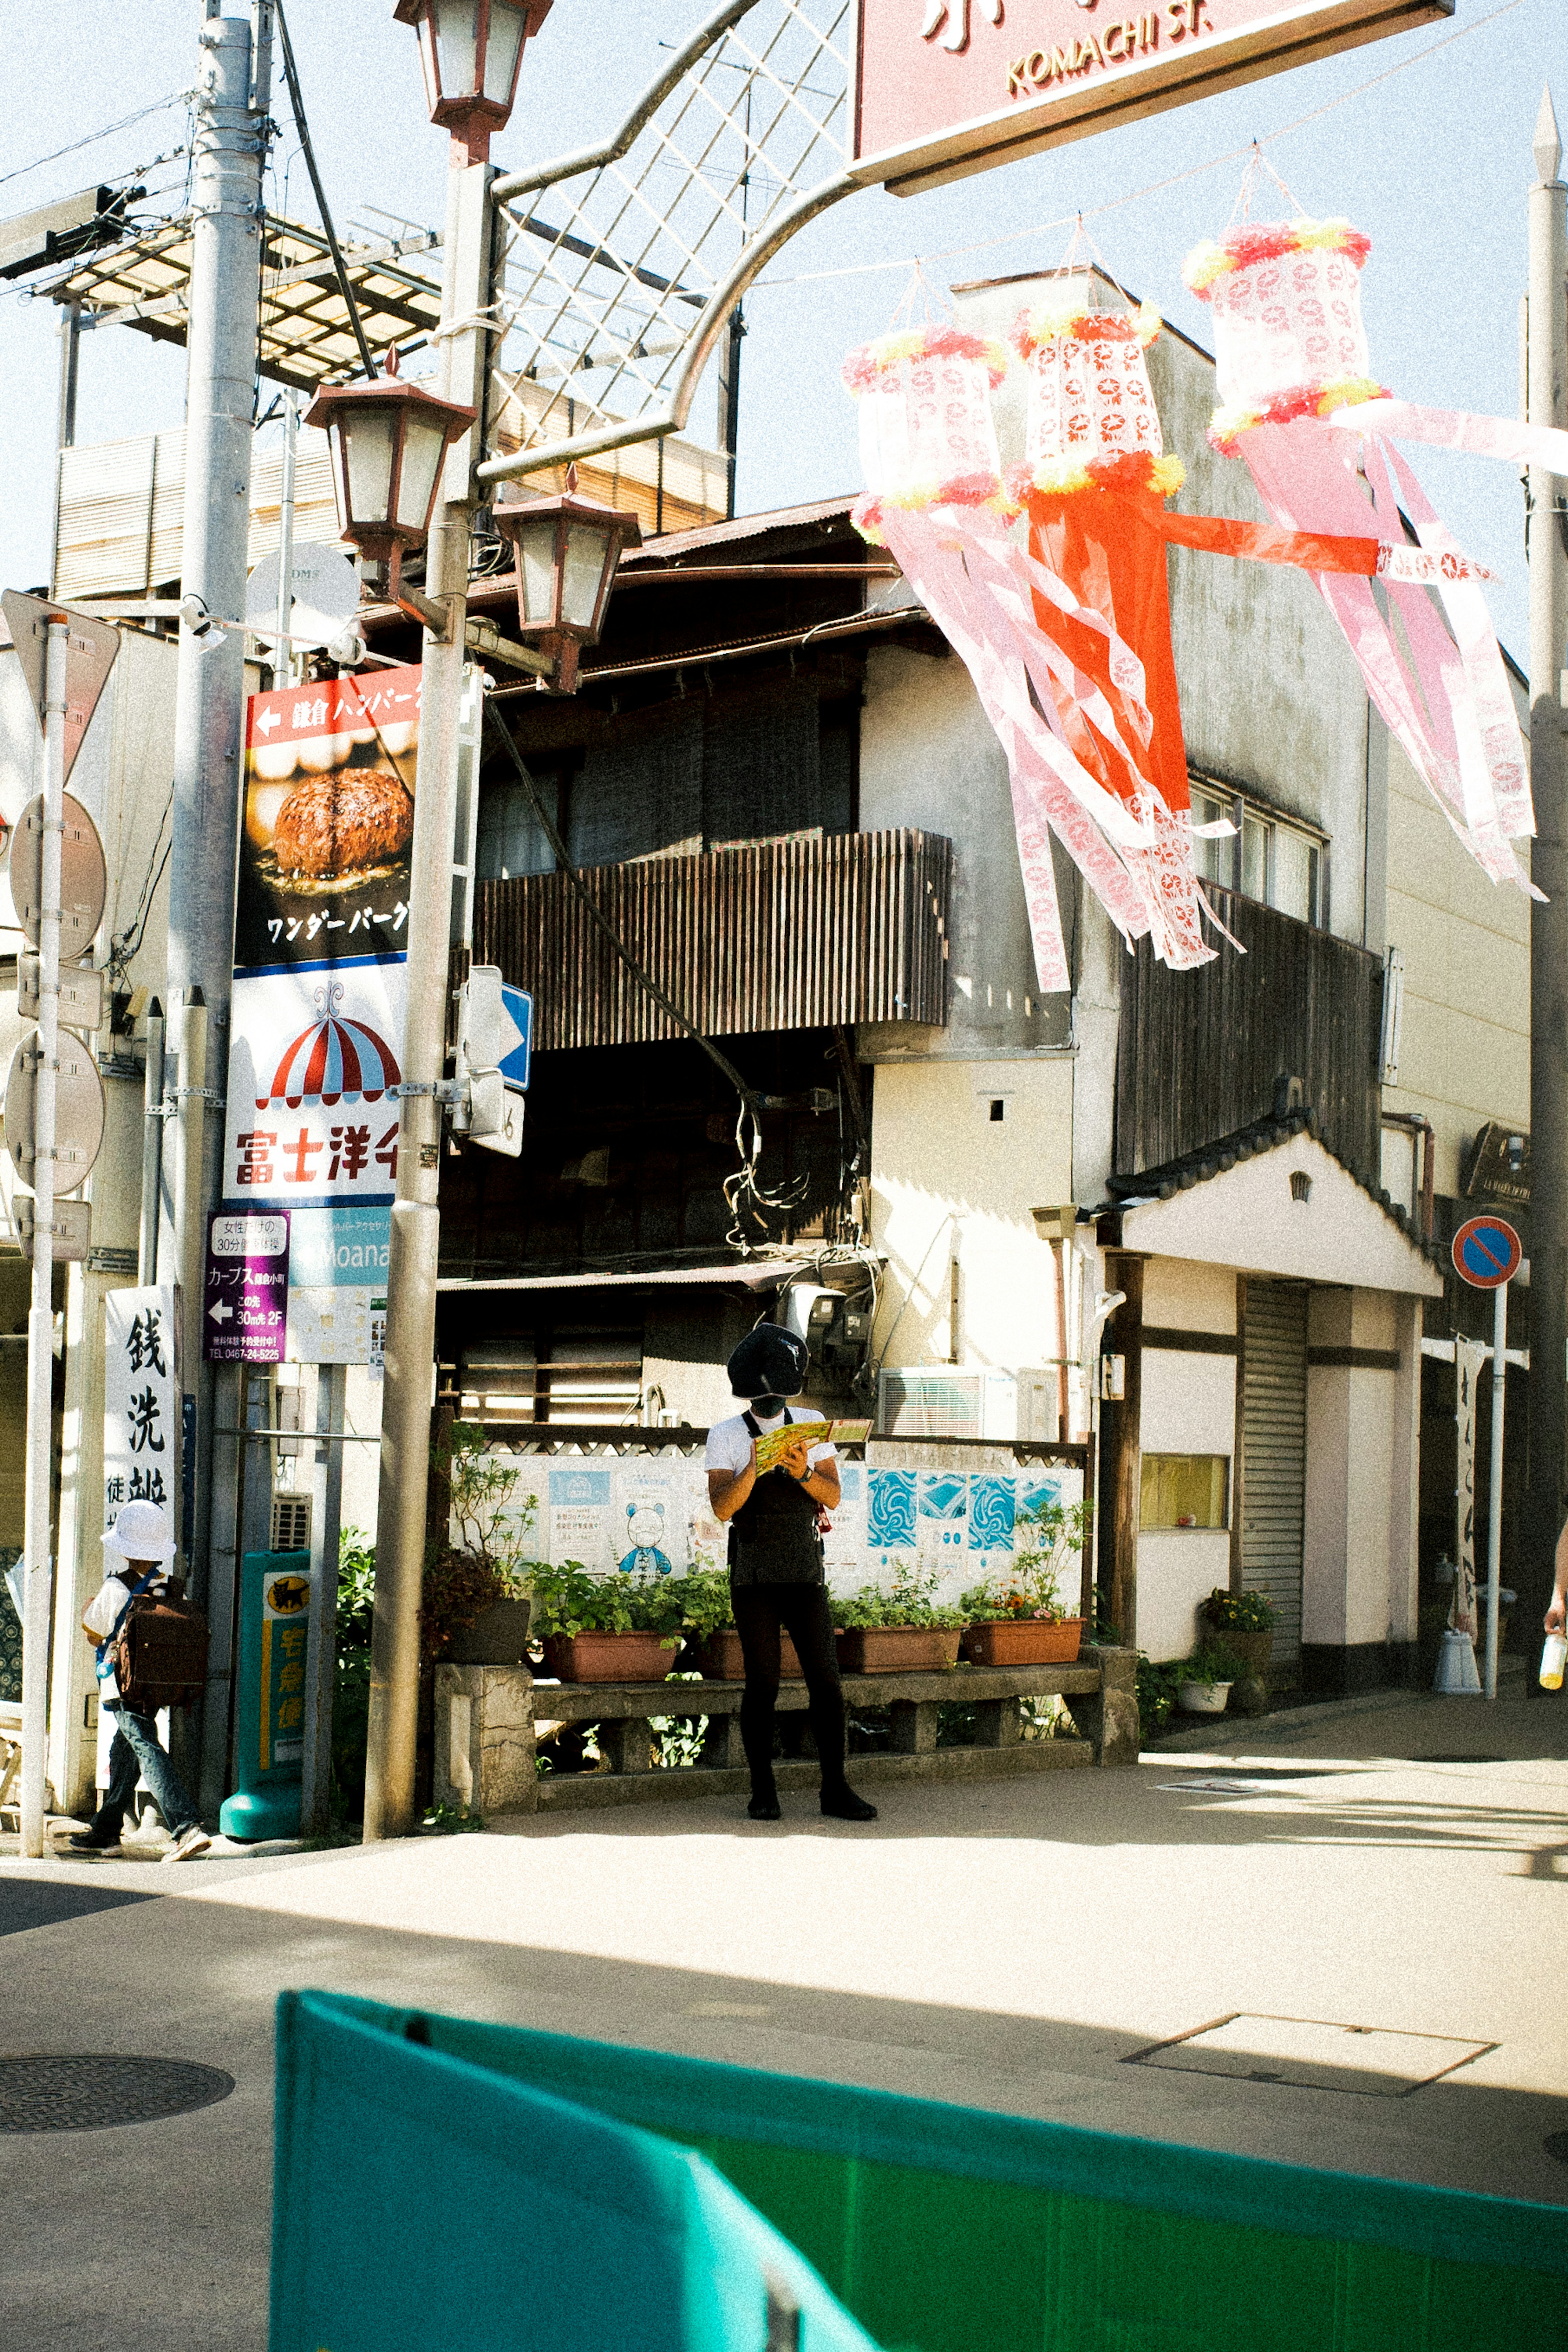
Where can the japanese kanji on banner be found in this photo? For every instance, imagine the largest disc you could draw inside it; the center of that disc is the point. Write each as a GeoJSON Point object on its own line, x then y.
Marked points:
{"type": "Point", "coordinates": [312, 1120]}
{"type": "Point", "coordinates": [329, 820]}
{"type": "Point", "coordinates": [141, 1400]}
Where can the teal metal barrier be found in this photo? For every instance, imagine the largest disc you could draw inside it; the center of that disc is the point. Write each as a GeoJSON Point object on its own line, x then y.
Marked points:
{"type": "Point", "coordinates": [424, 2203]}
{"type": "Point", "coordinates": [943, 2228]}
{"type": "Point", "coordinates": [269, 1697]}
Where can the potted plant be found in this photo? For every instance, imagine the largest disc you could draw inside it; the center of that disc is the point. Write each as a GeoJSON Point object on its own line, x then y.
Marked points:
{"type": "Point", "coordinates": [709, 1623]}
{"type": "Point", "coordinates": [899, 1632]}
{"type": "Point", "coordinates": [605, 1629]}
{"type": "Point", "coordinates": [1245, 1622]}
{"type": "Point", "coordinates": [1016, 1619]}
{"type": "Point", "coordinates": [475, 1607]}
{"type": "Point", "coordinates": [1204, 1679]}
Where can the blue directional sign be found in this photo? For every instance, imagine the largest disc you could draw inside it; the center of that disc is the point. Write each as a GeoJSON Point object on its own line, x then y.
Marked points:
{"type": "Point", "coordinates": [1487, 1253]}
{"type": "Point", "coordinates": [517, 1041]}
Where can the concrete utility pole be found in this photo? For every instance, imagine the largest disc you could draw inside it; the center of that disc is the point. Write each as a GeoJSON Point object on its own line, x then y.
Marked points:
{"type": "Point", "coordinates": [467, 290]}
{"type": "Point", "coordinates": [1547, 384]}
{"type": "Point", "coordinates": [230, 150]}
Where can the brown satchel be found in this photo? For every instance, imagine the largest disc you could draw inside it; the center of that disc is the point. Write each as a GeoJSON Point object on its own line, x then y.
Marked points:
{"type": "Point", "coordinates": [159, 1651]}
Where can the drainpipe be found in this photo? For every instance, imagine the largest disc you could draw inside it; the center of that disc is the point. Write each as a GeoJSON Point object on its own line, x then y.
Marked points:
{"type": "Point", "coordinates": [1411, 1122]}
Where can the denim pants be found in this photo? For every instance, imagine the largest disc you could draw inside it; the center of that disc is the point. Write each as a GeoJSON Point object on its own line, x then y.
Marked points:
{"type": "Point", "coordinates": [136, 1754]}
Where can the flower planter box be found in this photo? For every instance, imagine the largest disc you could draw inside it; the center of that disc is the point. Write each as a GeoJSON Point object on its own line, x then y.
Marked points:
{"type": "Point", "coordinates": [1023, 1640]}
{"type": "Point", "coordinates": [721, 1659]}
{"type": "Point", "coordinates": [498, 1636]}
{"type": "Point", "coordinates": [1202, 1698]}
{"type": "Point", "coordinates": [897, 1649]}
{"type": "Point", "coordinates": [609, 1657]}
{"type": "Point", "coordinates": [1255, 1648]}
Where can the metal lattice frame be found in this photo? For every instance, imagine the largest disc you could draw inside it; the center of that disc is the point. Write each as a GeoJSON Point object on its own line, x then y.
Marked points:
{"type": "Point", "coordinates": [620, 264]}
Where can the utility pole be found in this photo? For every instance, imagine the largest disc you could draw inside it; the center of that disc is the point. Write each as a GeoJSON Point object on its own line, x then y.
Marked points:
{"type": "Point", "coordinates": [230, 149]}
{"type": "Point", "coordinates": [467, 291]}
{"type": "Point", "coordinates": [1547, 383]}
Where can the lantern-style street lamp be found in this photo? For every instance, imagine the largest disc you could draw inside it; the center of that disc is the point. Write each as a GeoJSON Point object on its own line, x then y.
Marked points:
{"type": "Point", "coordinates": [470, 51]}
{"type": "Point", "coordinates": [568, 550]}
{"type": "Point", "coordinates": [389, 439]}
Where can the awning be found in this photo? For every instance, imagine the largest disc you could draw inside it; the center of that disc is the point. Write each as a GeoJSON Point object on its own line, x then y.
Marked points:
{"type": "Point", "coordinates": [752, 1273]}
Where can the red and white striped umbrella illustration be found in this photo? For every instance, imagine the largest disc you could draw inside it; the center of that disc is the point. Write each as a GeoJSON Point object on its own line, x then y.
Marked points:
{"type": "Point", "coordinates": [336, 1060]}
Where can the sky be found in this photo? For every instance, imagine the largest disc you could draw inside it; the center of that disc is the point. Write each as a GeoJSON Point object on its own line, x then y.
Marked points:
{"type": "Point", "coordinates": [1432, 160]}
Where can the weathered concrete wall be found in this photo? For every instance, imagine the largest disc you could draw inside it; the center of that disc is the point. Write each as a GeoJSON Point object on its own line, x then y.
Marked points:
{"type": "Point", "coordinates": [1189, 1407]}
{"type": "Point", "coordinates": [1351, 1585]}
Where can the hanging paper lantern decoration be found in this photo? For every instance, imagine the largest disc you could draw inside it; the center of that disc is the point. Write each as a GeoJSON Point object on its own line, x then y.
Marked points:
{"type": "Point", "coordinates": [1291, 355]}
{"type": "Point", "coordinates": [1092, 422]}
{"type": "Point", "coordinates": [336, 1060]}
{"type": "Point", "coordinates": [927, 438]}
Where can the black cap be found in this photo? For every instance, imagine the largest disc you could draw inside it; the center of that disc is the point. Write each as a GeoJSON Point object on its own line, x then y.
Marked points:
{"type": "Point", "coordinates": [769, 1362]}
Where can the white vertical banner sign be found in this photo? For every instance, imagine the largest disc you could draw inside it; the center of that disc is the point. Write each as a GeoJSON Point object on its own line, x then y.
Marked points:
{"type": "Point", "coordinates": [140, 1399]}
{"type": "Point", "coordinates": [1470, 1356]}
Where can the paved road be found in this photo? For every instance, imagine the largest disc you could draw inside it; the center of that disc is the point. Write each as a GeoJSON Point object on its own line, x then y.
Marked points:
{"type": "Point", "coordinates": [1011, 1945]}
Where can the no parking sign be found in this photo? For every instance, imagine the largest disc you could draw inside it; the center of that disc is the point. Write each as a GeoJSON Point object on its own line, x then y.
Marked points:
{"type": "Point", "coordinates": [1487, 1253]}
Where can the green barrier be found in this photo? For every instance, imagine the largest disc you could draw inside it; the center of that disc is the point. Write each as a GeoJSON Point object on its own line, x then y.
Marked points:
{"type": "Point", "coordinates": [423, 2203]}
{"type": "Point", "coordinates": [269, 1697]}
{"type": "Point", "coordinates": [950, 2229]}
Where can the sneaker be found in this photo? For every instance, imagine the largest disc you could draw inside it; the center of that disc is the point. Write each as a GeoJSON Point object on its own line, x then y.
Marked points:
{"type": "Point", "coordinates": [87, 1841]}
{"type": "Point", "coordinates": [188, 1844]}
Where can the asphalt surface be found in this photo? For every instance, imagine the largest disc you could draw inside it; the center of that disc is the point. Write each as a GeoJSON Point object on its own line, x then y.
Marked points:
{"type": "Point", "coordinates": [1037, 1947]}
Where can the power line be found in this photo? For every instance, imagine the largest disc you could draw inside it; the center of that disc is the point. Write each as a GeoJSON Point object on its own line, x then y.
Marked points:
{"type": "Point", "coordinates": [298, 103]}
{"type": "Point", "coordinates": [178, 98]}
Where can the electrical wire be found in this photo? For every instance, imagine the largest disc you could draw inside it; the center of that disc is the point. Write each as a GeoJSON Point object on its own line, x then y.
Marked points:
{"type": "Point", "coordinates": [297, 102]}
{"type": "Point", "coordinates": [176, 98]}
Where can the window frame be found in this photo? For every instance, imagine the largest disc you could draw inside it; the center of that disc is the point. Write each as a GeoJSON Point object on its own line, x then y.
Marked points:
{"type": "Point", "coordinates": [1244, 808]}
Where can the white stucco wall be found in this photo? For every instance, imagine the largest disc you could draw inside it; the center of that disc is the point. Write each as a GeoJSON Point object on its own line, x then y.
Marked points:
{"type": "Point", "coordinates": [1351, 1584]}
{"type": "Point", "coordinates": [949, 1181]}
{"type": "Point", "coordinates": [1189, 1407]}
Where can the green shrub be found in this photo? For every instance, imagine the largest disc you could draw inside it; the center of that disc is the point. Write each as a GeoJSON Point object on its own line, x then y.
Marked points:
{"type": "Point", "coordinates": [908, 1602]}
{"type": "Point", "coordinates": [1212, 1663]}
{"type": "Point", "coordinates": [1157, 1692]}
{"type": "Point", "coordinates": [568, 1599]}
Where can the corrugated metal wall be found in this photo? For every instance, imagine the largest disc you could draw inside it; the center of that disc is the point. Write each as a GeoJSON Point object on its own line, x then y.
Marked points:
{"type": "Point", "coordinates": [1199, 1051]}
{"type": "Point", "coordinates": [123, 511]}
{"type": "Point", "coordinates": [784, 935]}
{"type": "Point", "coordinates": [1274, 1443]}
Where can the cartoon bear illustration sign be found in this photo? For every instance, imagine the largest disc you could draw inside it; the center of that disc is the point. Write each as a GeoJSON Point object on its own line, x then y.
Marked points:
{"type": "Point", "coordinates": [645, 1524]}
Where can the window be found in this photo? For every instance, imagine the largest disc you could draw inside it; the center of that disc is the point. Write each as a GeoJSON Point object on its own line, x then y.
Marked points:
{"type": "Point", "coordinates": [1279, 863]}
{"type": "Point", "coordinates": [998, 1108]}
{"type": "Point", "coordinates": [1185, 1490]}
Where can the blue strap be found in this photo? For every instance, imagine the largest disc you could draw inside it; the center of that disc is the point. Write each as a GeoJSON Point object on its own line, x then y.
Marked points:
{"type": "Point", "coordinates": [101, 1653]}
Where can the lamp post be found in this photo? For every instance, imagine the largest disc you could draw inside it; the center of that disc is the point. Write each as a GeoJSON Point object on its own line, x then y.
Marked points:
{"type": "Point", "coordinates": [471, 50]}
{"type": "Point", "coordinates": [388, 440]}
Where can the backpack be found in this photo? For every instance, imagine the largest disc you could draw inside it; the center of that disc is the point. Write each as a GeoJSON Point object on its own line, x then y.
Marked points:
{"type": "Point", "coordinates": [159, 1651]}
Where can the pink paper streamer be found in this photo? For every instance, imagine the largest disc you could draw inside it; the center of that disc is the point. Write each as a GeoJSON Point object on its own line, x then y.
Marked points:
{"type": "Point", "coordinates": [1455, 428]}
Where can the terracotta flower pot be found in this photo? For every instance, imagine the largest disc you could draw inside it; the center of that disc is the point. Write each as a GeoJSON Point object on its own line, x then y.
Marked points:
{"type": "Point", "coordinates": [897, 1649]}
{"type": "Point", "coordinates": [609, 1657]}
{"type": "Point", "coordinates": [1023, 1640]}
{"type": "Point", "coordinates": [721, 1659]}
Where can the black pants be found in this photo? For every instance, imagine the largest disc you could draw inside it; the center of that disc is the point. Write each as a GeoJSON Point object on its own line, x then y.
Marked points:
{"type": "Point", "coordinates": [762, 1612]}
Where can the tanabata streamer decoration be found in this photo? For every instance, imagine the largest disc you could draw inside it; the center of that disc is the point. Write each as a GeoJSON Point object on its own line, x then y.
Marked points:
{"type": "Point", "coordinates": [1295, 380]}
{"type": "Point", "coordinates": [1039, 628]}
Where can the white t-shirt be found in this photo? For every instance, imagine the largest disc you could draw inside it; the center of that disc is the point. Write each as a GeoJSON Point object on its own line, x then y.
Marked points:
{"type": "Point", "coordinates": [730, 1442]}
{"type": "Point", "coordinates": [102, 1614]}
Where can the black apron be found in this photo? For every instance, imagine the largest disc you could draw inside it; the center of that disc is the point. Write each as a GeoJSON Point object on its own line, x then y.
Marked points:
{"type": "Point", "coordinates": [773, 1536]}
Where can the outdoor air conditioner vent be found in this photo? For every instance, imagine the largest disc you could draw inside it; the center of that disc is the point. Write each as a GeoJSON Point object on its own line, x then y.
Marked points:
{"type": "Point", "coordinates": [290, 1523]}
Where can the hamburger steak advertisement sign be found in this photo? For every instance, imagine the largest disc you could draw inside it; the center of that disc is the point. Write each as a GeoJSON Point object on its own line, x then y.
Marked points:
{"type": "Point", "coordinates": [948, 86]}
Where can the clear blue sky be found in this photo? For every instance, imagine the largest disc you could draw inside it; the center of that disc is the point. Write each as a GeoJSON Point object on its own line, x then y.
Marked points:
{"type": "Point", "coordinates": [1433, 163]}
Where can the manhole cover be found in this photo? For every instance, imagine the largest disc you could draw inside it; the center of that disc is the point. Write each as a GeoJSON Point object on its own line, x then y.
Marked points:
{"type": "Point", "coordinates": [1309, 2054]}
{"type": "Point", "coordinates": [51, 2095]}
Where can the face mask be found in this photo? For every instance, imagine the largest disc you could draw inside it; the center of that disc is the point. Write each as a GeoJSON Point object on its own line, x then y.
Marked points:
{"type": "Point", "coordinates": [768, 1406]}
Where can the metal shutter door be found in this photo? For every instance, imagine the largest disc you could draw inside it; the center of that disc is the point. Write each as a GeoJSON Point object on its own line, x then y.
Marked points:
{"type": "Point", "coordinates": [1274, 1427]}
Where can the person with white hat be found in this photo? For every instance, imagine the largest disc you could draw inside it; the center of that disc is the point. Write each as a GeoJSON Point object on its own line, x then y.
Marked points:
{"type": "Point", "coordinates": [137, 1550]}
{"type": "Point", "coordinates": [777, 1580]}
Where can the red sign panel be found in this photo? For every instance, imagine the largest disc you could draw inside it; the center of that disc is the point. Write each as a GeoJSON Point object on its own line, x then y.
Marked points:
{"type": "Point", "coordinates": [955, 85]}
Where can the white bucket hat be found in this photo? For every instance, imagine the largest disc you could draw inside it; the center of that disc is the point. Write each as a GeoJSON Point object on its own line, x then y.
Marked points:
{"type": "Point", "coordinates": [140, 1531]}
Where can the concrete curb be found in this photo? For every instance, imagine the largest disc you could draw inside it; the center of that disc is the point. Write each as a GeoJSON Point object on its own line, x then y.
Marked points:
{"type": "Point", "coordinates": [1247, 1730]}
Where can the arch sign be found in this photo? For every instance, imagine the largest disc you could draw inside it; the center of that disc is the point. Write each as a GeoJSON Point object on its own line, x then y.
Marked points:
{"type": "Point", "coordinates": [944, 88]}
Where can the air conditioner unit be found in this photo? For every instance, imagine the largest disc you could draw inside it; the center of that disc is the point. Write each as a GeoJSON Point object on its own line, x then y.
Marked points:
{"type": "Point", "coordinates": [927, 1402]}
{"type": "Point", "coordinates": [290, 1529]}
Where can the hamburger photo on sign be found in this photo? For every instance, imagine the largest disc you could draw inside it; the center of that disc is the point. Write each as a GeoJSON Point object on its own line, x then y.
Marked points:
{"type": "Point", "coordinates": [329, 820]}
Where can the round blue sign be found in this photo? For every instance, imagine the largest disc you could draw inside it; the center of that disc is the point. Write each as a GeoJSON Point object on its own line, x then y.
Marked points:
{"type": "Point", "coordinates": [1487, 1253]}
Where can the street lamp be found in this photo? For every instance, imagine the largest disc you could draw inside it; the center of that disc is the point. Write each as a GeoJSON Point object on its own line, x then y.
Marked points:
{"type": "Point", "coordinates": [388, 441]}
{"type": "Point", "coordinates": [568, 550]}
{"type": "Point", "coordinates": [471, 50]}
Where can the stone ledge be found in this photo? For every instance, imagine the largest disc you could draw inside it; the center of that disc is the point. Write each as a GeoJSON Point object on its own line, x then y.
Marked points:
{"type": "Point", "coordinates": [574, 1790]}
{"type": "Point", "coordinates": [960, 1687]}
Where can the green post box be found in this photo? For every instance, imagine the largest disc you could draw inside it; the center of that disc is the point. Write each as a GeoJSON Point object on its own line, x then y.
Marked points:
{"type": "Point", "coordinates": [269, 1697]}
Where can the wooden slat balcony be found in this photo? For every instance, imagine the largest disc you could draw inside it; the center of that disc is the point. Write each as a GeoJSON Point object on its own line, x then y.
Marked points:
{"type": "Point", "coordinates": [1200, 1051]}
{"type": "Point", "coordinates": [839, 929]}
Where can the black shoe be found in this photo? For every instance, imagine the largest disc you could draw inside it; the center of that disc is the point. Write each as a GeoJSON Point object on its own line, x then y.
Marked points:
{"type": "Point", "coordinates": [87, 1841]}
{"type": "Point", "coordinates": [844, 1805]}
{"type": "Point", "coordinates": [764, 1806]}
